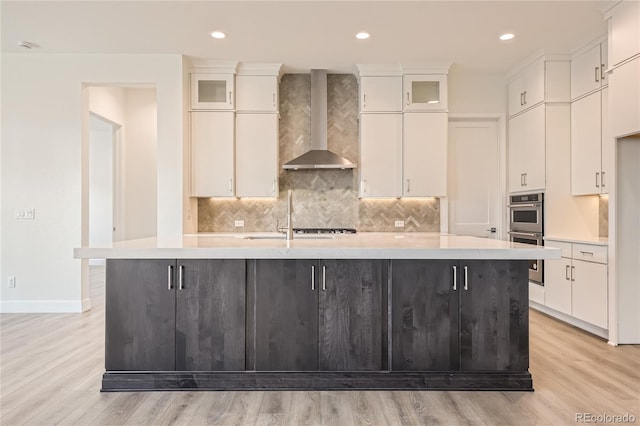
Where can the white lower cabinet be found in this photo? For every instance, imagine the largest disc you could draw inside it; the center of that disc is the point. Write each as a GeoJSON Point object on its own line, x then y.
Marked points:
{"type": "Point", "coordinates": [212, 153]}
{"type": "Point", "coordinates": [576, 285]}
{"type": "Point", "coordinates": [380, 155]}
{"type": "Point", "coordinates": [256, 155]}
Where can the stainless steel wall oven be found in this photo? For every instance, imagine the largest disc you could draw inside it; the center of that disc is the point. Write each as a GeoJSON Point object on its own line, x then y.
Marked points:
{"type": "Point", "coordinates": [526, 226]}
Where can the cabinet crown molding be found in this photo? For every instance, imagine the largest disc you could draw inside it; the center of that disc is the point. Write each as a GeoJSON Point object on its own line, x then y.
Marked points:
{"type": "Point", "coordinates": [379, 70]}
{"type": "Point", "coordinates": [211, 66]}
{"type": "Point", "coordinates": [442, 68]}
{"type": "Point", "coordinates": [252, 68]}
{"type": "Point", "coordinates": [539, 55]}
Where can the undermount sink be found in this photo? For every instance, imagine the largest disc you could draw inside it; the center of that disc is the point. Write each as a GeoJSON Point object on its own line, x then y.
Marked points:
{"type": "Point", "coordinates": [282, 237]}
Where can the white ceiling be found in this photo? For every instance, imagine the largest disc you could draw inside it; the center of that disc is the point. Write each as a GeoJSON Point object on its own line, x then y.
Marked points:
{"type": "Point", "coordinates": [304, 35]}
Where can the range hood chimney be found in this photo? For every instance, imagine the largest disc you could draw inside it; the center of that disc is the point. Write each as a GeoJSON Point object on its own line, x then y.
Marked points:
{"type": "Point", "coordinates": [319, 157]}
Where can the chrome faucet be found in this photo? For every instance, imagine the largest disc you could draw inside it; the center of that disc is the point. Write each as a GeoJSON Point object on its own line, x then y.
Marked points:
{"type": "Point", "coordinates": [289, 216]}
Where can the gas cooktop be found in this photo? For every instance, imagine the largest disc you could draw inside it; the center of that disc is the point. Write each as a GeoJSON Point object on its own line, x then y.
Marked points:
{"type": "Point", "coordinates": [324, 230]}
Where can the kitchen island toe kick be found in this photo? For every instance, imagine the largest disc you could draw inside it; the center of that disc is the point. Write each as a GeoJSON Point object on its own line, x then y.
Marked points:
{"type": "Point", "coordinates": [290, 321]}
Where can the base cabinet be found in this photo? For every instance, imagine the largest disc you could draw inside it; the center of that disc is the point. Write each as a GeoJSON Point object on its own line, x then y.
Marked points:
{"type": "Point", "coordinates": [460, 316]}
{"type": "Point", "coordinates": [316, 324]}
{"type": "Point", "coordinates": [328, 315]}
{"type": "Point", "coordinates": [165, 315]}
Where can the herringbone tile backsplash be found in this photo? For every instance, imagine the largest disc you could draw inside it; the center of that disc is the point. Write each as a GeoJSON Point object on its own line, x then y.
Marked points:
{"type": "Point", "coordinates": [322, 198]}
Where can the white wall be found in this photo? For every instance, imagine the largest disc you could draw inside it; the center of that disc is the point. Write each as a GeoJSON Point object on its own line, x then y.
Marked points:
{"type": "Point", "coordinates": [44, 139]}
{"type": "Point", "coordinates": [628, 242]}
{"type": "Point", "coordinates": [101, 134]}
{"type": "Point", "coordinates": [140, 163]}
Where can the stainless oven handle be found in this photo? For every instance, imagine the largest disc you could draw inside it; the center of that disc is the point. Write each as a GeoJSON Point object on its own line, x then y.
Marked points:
{"type": "Point", "coordinates": [528, 234]}
{"type": "Point", "coordinates": [524, 205]}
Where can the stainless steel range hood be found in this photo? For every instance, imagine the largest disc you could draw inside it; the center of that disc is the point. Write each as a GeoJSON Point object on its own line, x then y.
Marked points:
{"type": "Point", "coordinates": [319, 157]}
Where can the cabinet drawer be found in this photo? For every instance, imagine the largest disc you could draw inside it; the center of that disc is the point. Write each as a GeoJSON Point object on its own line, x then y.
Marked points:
{"type": "Point", "coordinates": [590, 253]}
{"type": "Point", "coordinates": [564, 246]}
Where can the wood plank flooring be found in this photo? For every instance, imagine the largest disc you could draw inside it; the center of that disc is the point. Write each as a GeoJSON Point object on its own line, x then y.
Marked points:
{"type": "Point", "coordinates": [51, 366]}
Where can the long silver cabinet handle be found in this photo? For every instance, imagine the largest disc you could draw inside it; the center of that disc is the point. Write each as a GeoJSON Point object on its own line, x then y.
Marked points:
{"type": "Point", "coordinates": [455, 278]}
{"type": "Point", "coordinates": [313, 278]}
{"type": "Point", "coordinates": [229, 97]}
{"type": "Point", "coordinates": [466, 277]}
{"type": "Point", "coordinates": [602, 72]}
{"type": "Point", "coordinates": [525, 97]}
{"type": "Point", "coordinates": [181, 277]}
{"type": "Point", "coordinates": [597, 74]}
{"type": "Point", "coordinates": [274, 99]}
{"type": "Point", "coordinates": [521, 98]}
{"type": "Point", "coordinates": [573, 276]}
{"type": "Point", "coordinates": [590, 253]}
{"type": "Point", "coordinates": [597, 180]}
{"type": "Point", "coordinates": [408, 99]}
{"type": "Point", "coordinates": [364, 100]}
{"type": "Point", "coordinates": [170, 277]}
{"type": "Point", "coordinates": [230, 185]}
{"type": "Point", "coordinates": [324, 278]}
{"type": "Point", "coordinates": [408, 185]}
{"type": "Point", "coordinates": [602, 179]}
{"type": "Point", "coordinates": [566, 273]}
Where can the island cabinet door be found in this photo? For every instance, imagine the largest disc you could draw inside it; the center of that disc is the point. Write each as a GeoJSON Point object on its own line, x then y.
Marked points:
{"type": "Point", "coordinates": [210, 315]}
{"type": "Point", "coordinates": [140, 315]}
{"type": "Point", "coordinates": [494, 315]}
{"type": "Point", "coordinates": [350, 315]}
{"type": "Point", "coordinates": [424, 315]}
{"type": "Point", "coordinates": [286, 315]}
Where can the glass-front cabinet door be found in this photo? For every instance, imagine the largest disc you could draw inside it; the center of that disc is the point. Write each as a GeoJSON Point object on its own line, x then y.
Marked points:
{"type": "Point", "coordinates": [425, 92]}
{"type": "Point", "coordinates": [212, 91]}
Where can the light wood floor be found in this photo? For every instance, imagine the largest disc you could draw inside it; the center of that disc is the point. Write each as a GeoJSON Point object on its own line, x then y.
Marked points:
{"type": "Point", "coordinates": [51, 367]}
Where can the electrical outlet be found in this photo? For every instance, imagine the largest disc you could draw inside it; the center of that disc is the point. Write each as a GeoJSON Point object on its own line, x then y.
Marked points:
{"type": "Point", "coordinates": [11, 282]}
{"type": "Point", "coordinates": [239, 223]}
{"type": "Point", "coordinates": [399, 223]}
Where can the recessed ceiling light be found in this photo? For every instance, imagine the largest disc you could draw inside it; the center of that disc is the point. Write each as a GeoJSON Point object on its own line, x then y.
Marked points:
{"type": "Point", "coordinates": [362, 35]}
{"type": "Point", "coordinates": [507, 36]}
{"type": "Point", "coordinates": [218, 34]}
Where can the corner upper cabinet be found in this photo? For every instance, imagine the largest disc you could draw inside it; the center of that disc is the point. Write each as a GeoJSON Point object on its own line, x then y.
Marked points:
{"type": "Point", "coordinates": [588, 70]}
{"type": "Point", "coordinates": [527, 89]}
{"type": "Point", "coordinates": [381, 94]}
{"type": "Point", "coordinates": [212, 153]}
{"type": "Point", "coordinates": [212, 91]}
{"type": "Point", "coordinates": [425, 92]}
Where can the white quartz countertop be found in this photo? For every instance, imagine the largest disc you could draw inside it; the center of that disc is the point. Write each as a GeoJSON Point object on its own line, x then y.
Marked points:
{"type": "Point", "coordinates": [364, 245]}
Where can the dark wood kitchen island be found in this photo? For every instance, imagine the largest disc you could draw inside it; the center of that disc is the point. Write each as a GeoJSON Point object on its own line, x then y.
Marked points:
{"type": "Point", "coordinates": [365, 311]}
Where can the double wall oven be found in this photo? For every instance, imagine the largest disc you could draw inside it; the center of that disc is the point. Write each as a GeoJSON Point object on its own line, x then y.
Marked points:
{"type": "Point", "coordinates": [526, 226]}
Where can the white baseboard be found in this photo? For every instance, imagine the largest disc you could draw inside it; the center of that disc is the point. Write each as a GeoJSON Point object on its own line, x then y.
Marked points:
{"type": "Point", "coordinates": [44, 306]}
{"type": "Point", "coordinates": [601, 332]}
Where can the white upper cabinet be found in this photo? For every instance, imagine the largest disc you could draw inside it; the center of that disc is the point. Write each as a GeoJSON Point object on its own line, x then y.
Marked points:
{"type": "Point", "coordinates": [624, 87]}
{"type": "Point", "coordinates": [527, 89]}
{"type": "Point", "coordinates": [624, 31]}
{"type": "Point", "coordinates": [425, 154]}
{"type": "Point", "coordinates": [527, 151]}
{"type": "Point", "coordinates": [380, 155]}
{"type": "Point", "coordinates": [588, 71]}
{"type": "Point", "coordinates": [212, 91]}
{"type": "Point", "coordinates": [212, 153]}
{"type": "Point", "coordinates": [256, 93]}
{"type": "Point", "coordinates": [381, 94]}
{"type": "Point", "coordinates": [257, 155]}
{"type": "Point", "coordinates": [586, 137]}
{"type": "Point", "coordinates": [425, 92]}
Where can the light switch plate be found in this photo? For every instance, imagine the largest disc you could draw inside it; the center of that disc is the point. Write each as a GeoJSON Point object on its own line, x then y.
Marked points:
{"type": "Point", "coordinates": [25, 213]}
{"type": "Point", "coordinates": [239, 223]}
{"type": "Point", "coordinates": [399, 223]}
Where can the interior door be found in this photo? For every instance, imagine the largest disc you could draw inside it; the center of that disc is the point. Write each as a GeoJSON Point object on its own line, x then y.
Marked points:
{"type": "Point", "coordinates": [474, 178]}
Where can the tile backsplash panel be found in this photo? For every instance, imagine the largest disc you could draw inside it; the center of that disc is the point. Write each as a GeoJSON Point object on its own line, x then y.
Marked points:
{"type": "Point", "coordinates": [321, 198]}
{"type": "Point", "coordinates": [603, 219]}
